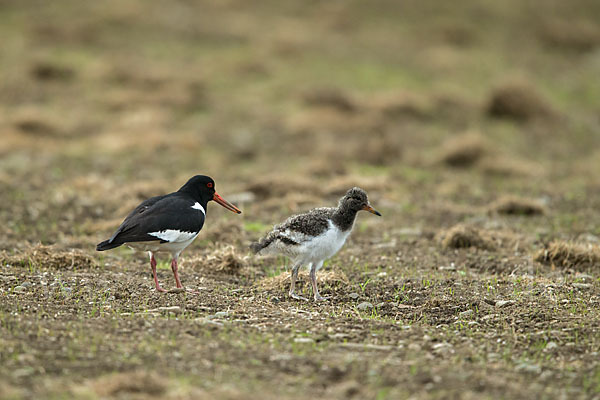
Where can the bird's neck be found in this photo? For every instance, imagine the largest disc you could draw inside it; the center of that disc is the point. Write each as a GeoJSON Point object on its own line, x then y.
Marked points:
{"type": "Point", "coordinates": [344, 218]}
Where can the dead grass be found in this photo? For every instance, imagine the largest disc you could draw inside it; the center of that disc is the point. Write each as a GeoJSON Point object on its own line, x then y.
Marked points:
{"type": "Point", "coordinates": [138, 384]}
{"type": "Point", "coordinates": [570, 255]}
{"type": "Point", "coordinates": [464, 236]}
{"type": "Point", "coordinates": [223, 260]}
{"type": "Point", "coordinates": [579, 36]}
{"type": "Point", "coordinates": [518, 100]}
{"type": "Point", "coordinates": [463, 150]}
{"type": "Point", "coordinates": [513, 205]}
{"type": "Point", "coordinates": [330, 97]}
{"type": "Point", "coordinates": [333, 278]}
{"type": "Point", "coordinates": [41, 256]}
{"type": "Point", "coordinates": [509, 167]}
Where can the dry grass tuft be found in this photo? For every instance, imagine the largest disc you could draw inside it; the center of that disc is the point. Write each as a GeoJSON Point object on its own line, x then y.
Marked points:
{"type": "Point", "coordinates": [332, 98]}
{"type": "Point", "coordinates": [281, 282]}
{"type": "Point", "coordinates": [579, 36]}
{"type": "Point", "coordinates": [518, 100]}
{"type": "Point", "coordinates": [47, 257]}
{"type": "Point", "coordinates": [569, 255]}
{"type": "Point", "coordinates": [463, 150]}
{"type": "Point", "coordinates": [224, 261]}
{"type": "Point", "coordinates": [50, 71]}
{"type": "Point", "coordinates": [279, 185]}
{"type": "Point", "coordinates": [510, 167]}
{"type": "Point", "coordinates": [138, 384]}
{"type": "Point", "coordinates": [512, 205]}
{"type": "Point", "coordinates": [464, 236]}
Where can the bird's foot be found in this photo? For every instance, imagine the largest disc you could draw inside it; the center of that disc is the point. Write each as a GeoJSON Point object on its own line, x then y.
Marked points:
{"type": "Point", "coordinates": [160, 290]}
{"type": "Point", "coordinates": [318, 297]}
{"type": "Point", "coordinates": [297, 297]}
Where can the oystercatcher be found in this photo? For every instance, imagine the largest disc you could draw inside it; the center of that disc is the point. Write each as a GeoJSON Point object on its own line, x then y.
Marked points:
{"type": "Point", "coordinates": [168, 223]}
{"type": "Point", "coordinates": [313, 237]}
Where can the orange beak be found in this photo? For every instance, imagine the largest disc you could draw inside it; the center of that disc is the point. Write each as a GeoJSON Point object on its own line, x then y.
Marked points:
{"type": "Point", "coordinates": [226, 204]}
{"type": "Point", "coordinates": [371, 210]}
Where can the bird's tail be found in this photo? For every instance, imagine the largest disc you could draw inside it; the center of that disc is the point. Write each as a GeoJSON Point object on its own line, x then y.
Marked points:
{"type": "Point", "coordinates": [259, 245]}
{"type": "Point", "coordinates": [107, 245]}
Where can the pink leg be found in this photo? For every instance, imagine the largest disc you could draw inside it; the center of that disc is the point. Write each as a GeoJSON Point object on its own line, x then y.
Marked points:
{"type": "Point", "coordinates": [153, 265]}
{"type": "Point", "coordinates": [174, 268]}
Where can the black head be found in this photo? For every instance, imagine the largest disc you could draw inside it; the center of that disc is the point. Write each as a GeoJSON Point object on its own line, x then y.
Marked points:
{"type": "Point", "coordinates": [202, 189]}
{"type": "Point", "coordinates": [355, 200]}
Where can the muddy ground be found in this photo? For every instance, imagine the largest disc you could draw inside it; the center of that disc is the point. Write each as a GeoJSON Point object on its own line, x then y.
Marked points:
{"type": "Point", "coordinates": [474, 127]}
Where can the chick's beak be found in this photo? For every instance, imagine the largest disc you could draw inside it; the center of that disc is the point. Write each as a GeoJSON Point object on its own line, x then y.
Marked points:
{"type": "Point", "coordinates": [226, 204]}
{"type": "Point", "coordinates": [370, 209]}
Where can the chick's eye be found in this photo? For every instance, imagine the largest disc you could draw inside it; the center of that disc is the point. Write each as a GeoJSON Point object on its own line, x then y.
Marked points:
{"type": "Point", "coordinates": [209, 184]}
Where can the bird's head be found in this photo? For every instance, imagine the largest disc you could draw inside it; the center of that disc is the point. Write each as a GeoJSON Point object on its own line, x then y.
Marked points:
{"type": "Point", "coordinates": [356, 200]}
{"type": "Point", "coordinates": [202, 188]}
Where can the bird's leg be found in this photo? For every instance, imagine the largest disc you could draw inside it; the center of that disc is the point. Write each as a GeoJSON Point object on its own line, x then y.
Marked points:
{"type": "Point", "coordinates": [153, 265]}
{"type": "Point", "coordinates": [174, 268]}
{"type": "Point", "coordinates": [313, 280]}
{"type": "Point", "coordinates": [295, 269]}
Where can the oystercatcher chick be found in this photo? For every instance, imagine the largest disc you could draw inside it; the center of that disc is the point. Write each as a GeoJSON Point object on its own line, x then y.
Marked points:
{"type": "Point", "coordinates": [311, 238]}
{"type": "Point", "coordinates": [168, 223]}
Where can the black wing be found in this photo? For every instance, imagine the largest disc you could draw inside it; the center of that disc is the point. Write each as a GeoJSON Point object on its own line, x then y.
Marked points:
{"type": "Point", "coordinates": [173, 211]}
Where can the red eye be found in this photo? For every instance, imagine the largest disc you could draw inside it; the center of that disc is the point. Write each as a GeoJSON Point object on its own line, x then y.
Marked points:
{"type": "Point", "coordinates": [209, 184]}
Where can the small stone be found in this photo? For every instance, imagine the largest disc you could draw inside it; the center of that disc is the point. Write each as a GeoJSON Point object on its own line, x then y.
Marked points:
{"type": "Point", "coordinates": [26, 284]}
{"type": "Point", "coordinates": [442, 348]}
{"type": "Point", "coordinates": [414, 347]}
{"type": "Point", "coordinates": [504, 303]}
{"type": "Point", "coordinates": [531, 368]}
{"type": "Point", "coordinates": [353, 296]}
{"type": "Point", "coordinates": [19, 289]}
{"type": "Point", "coordinates": [221, 314]}
{"type": "Point", "coordinates": [551, 345]}
{"type": "Point", "coordinates": [172, 309]}
{"type": "Point", "coordinates": [584, 277]}
{"type": "Point", "coordinates": [365, 305]}
{"type": "Point", "coordinates": [467, 313]}
{"type": "Point", "coordinates": [380, 305]}
{"type": "Point", "coordinates": [303, 340]}
{"type": "Point", "coordinates": [176, 290]}
{"type": "Point", "coordinates": [582, 285]}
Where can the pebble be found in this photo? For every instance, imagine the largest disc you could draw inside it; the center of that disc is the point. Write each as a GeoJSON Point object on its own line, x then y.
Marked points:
{"type": "Point", "coordinates": [414, 347]}
{"type": "Point", "coordinates": [176, 290]}
{"type": "Point", "coordinates": [551, 345]}
{"type": "Point", "coordinates": [526, 367]}
{"type": "Point", "coordinates": [19, 289]}
{"type": "Point", "coordinates": [466, 313]}
{"type": "Point", "coordinates": [582, 285]}
{"type": "Point", "coordinates": [353, 295]}
{"type": "Point", "coordinates": [365, 305]}
{"type": "Point", "coordinates": [504, 303]}
{"type": "Point", "coordinates": [303, 340]}
{"type": "Point", "coordinates": [172, 309]}
{"type": "Point", "coordinates": [221, 314]}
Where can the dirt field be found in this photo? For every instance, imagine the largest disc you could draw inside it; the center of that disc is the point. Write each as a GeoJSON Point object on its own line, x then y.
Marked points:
{"type": "Point", "coordinates": [474, 127]}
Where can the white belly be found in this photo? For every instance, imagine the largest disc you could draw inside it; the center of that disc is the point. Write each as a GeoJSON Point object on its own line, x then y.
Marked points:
{"type": "Point", "coordinates": [325, 245]}
{"type": "Point", "coordinates": [178, 242]}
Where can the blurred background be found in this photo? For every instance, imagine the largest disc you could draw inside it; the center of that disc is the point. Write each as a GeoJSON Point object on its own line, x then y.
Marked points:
{"type": "Point", "coordinates": [104, 104]}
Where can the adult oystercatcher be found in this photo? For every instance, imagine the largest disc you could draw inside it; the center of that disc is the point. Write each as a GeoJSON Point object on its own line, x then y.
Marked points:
{"type": "Point", "coordinates": [168, 223]}
{"type": "Point", "coordinates": [313, 237]}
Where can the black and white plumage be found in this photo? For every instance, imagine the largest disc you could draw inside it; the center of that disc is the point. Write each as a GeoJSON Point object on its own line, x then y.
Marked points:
{"type": "Point", "coordinates": [168, 223]}
{"type": "Point", "coordinates": [313, 237]}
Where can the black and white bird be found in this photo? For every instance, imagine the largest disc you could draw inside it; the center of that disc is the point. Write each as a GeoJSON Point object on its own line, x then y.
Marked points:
{"type": "Point", "coordinates": [168, 223]}
{"type": "Point", "coordinates": [311, 238]}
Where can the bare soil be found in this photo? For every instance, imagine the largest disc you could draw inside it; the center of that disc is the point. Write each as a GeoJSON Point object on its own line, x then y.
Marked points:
{"type": "Point", "coordinates": [481, 280]}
